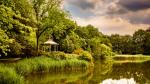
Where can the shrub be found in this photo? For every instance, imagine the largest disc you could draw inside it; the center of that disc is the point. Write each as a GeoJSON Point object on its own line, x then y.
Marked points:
{"type": "Point", "coordinates": [83, 55]}
{"type": "Point", "coordinates": [57, 55]}
{"type": "Point", "coordinates": [15, 49]}
{"type": "Point", "coordinates": [61, 56]}
{"type": "Point", "coordinates": [9, 76]}
{"type": "Point", "coordinates": [102, 51]}
{"type": "Point", "coordinates": [78, 51]}
{"type": "Point", "coordinates": [71, 56]}
{"type": "Point", "coordinates": [86, 56]}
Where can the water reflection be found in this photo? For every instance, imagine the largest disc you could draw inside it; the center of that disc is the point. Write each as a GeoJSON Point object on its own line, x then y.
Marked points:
{"type": "Point", "coordinates": [79, 77]}
{"type": "Point", "coordinates": [140, 71]}
{"type": "Point", "coordinates": [121, 81]}
{"type": "Point", "coordinates": [104, 71]}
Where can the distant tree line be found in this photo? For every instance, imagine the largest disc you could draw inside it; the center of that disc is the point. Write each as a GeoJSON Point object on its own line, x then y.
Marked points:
{"type": "Point", "coordinates": [139, 43]}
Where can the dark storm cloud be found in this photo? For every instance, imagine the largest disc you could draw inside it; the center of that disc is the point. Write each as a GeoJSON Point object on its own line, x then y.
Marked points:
{"type": "Point", "coordinates": [85, 5]}
{"type": "Point", "coordinates": [115, 12]}
{"type": "Point", "coordinates": [111, 16]}
{"type": "Point", "coordinates": [82, 4]}
{"type": "Point", "coordinates": [135, 5]}
{"type": "Point", "coordinates": [139, 17]}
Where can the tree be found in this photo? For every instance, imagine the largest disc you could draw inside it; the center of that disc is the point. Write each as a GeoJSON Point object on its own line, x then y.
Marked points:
{"type": "Point", "coordinates": [12, 24]}
{"type": "Point", "coordinates": [116, 42]}
{"type": "Point", "coordinates": [41, 14]}
{"type": "Point", "coordinates": [138, 38]}
{"type": "Point", "coordinates": [4, 43]}
{"type": "Point", "coordinates": [47, 15]}
{"type": "Point", "coordinates": [88, 32]}
{"type": "Point", "coordinates": [146, 45]}
{"type": "Point", "coordinates": [127, 45]}
{"type": "Point", "coordinates": [71, 43]}
{"type": "Point", "coordinates": [136, 44]}
{"type": "Point", "coordinates": [98, 49]}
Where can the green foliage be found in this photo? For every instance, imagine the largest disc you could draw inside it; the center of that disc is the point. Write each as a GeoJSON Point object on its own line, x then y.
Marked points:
{"type": "Point", "coordinates": [138, 38]}
{"type": "Point", "coordinates": [146, 44]}
{"type": "Point", "coordinates": [120, 43]}
{"type": "Point", "coordinates": [78, 51]}
{"type": "Point", "coordinates": [15, 49]}
{"type": "Point", "coordinates": [101, 51]}
{"type": "Point", "coordinates": [72, 42]}
{"type": "Point", "coordinates": [88, 32]}
{"type": "Point", "coordinates": [10, 21]}
{"type": "Point", "coordinates": [95, 42]}
{"type": "Point", "coordinates": [136, 44]}
{"type": "Point", "coordinates": [58, 55]}
{"type": "Point", "coordinates": [25, 21]}
{"type": "Point", "coordinates": [4, 43]}
{"type": "Point", "coordinates": [15, 28]}
{"type": "Point", "coordinates": [9, 76]}
{"type": "Point", "coordinates": [85, 55]}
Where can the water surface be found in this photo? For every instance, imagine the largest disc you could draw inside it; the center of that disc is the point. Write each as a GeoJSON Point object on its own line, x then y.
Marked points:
{"type": "Point", "coordinates": [106, 72]}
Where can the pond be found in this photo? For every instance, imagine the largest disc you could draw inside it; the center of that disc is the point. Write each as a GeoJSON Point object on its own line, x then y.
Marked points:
{"type": "Point", "coordinates": [104, 72]}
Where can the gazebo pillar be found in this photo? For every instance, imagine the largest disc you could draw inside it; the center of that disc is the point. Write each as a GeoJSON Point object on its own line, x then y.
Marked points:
{"type": "Point", "coordinates": [44, 48]}
{"type": "Point", "coordinates": [50, 48]}
{"type": "Point", "coordinates": [55, 47]}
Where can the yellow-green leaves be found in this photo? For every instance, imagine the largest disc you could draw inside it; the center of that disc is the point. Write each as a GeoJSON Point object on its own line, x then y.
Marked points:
{"type": "Point", "coordinates": [4, 43]}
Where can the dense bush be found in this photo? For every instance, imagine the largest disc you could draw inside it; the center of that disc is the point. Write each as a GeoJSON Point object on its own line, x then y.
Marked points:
{"type": "Point", "coordinates": [85, 55]}
{"type": "Point", "coordinates": [9, 76]}
{"type": "Point", "coordinates": [78, 51]}
{"type": "Point", "coordinates": [57, 55]}
{"type": "Point", "coordinates": [71, 43]}
{"type": "Point", "coordinates": [15, 49]}
{"type": "Point", "coordinates": [4, 43]}
{"type": "Point", "coordinates": [102, 51]}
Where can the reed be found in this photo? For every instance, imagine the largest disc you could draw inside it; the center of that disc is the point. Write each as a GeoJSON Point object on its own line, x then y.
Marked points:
{"type": "Point", "coordinates": [46, 64]}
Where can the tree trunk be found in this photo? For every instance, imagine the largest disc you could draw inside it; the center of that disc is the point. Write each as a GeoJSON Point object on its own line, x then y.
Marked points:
{"type": "Point", "coordinates": [37, 44]}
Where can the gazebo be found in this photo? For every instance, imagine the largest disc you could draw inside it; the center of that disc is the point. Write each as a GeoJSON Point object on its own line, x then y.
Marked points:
{"type": "Point", "coordinates": [47, 46]}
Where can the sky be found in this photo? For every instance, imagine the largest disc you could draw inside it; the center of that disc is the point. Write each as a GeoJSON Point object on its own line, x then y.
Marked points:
{"type": "Point", "coordinates": [111, 16]}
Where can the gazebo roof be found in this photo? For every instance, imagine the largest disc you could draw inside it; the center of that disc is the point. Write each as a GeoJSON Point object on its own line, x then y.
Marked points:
{"type": "Point", "coordinates": [51, 42]}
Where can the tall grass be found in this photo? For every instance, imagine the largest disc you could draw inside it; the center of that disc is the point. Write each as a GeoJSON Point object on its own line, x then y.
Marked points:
{"type": "Point", "coordinates": [9, 76]}
{"type": "Point", "coordinates": [46, 64]}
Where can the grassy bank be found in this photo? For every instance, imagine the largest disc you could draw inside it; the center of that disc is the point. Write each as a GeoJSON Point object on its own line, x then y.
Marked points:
{"type": "Point", "coordinates": [13, 73]}
{"type": "Point", "coordinates": [46, 64]}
